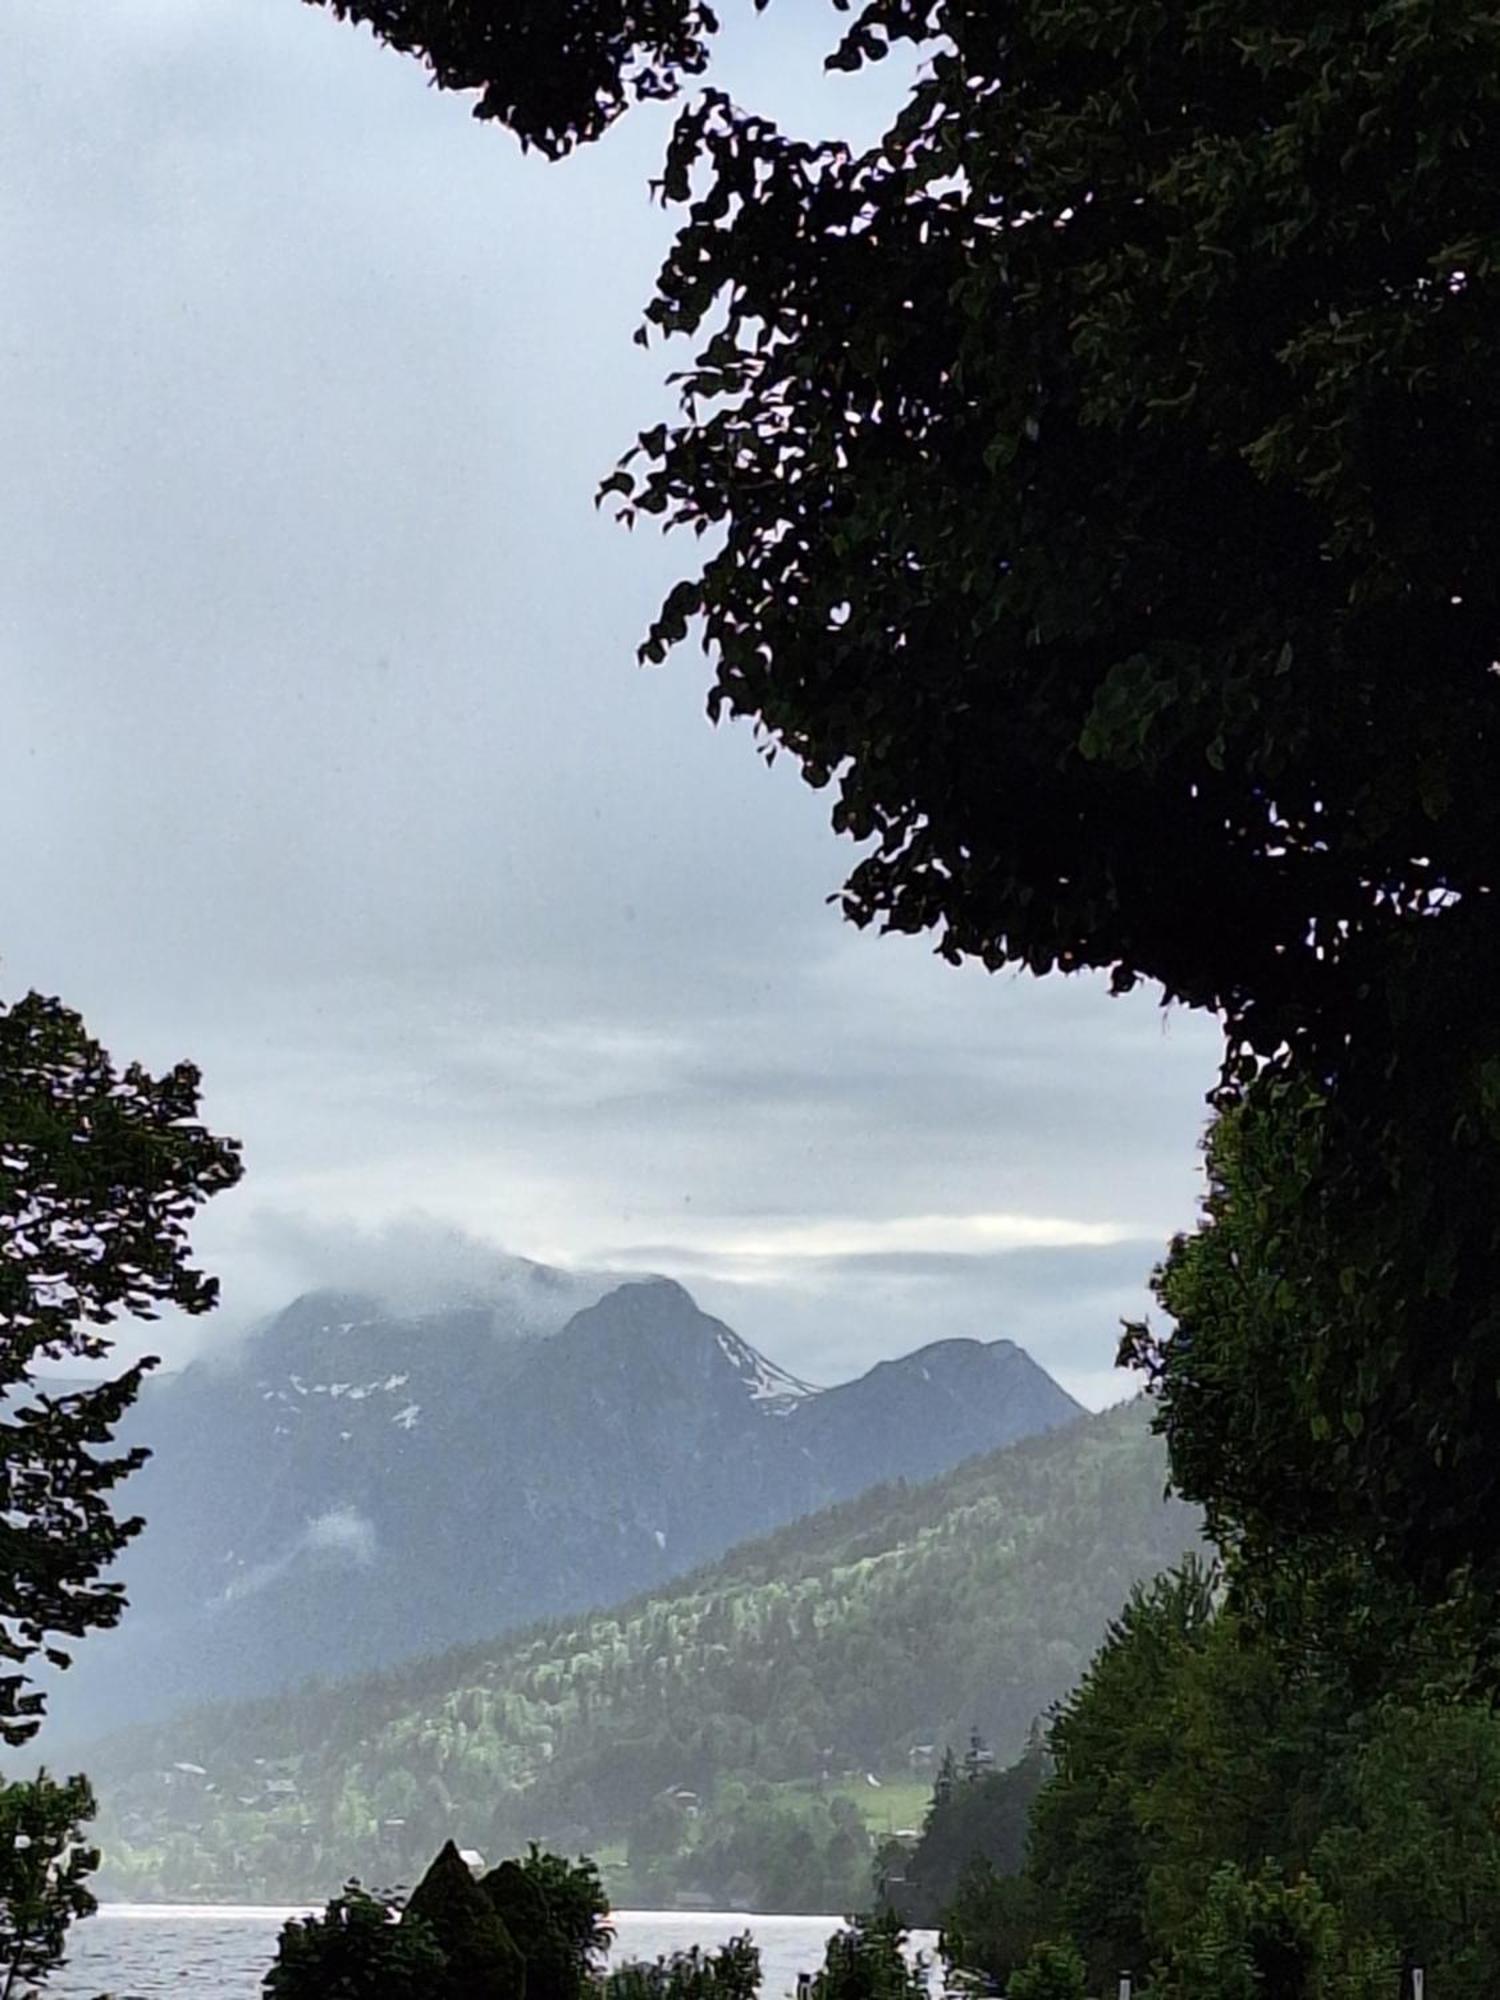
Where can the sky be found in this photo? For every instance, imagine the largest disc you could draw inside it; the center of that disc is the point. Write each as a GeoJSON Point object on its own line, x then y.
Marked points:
{"type": "Point", "coordinates": [326, 762]}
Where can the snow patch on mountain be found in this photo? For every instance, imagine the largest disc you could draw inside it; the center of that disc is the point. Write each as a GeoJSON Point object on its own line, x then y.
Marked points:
{"type": "Point", "coordinates": [777, 1391]}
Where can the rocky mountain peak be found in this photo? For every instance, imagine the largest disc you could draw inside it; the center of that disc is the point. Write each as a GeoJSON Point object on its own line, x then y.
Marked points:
{"type": "Point", "coordinates": [363, 1484]}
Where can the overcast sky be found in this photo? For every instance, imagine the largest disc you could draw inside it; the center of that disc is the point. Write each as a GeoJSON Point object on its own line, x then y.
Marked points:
{"type": "Point", "coordinates": [326, 763]}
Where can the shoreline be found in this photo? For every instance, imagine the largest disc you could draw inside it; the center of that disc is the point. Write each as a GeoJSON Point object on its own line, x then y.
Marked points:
{"type": "Point", "coordinates": [279, 1912]}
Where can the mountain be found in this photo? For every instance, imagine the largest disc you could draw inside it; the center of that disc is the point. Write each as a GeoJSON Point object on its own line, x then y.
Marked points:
{"type": "Point", "coordinates": [352, 1483]}
{"type": "Point", "coordinates": [752, 1695]}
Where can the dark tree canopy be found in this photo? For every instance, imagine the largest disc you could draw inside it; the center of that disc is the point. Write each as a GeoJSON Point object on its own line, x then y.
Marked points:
{"type": "Point", "coordinates": [1329, 1379]}
{"type": "Point", "coordinates": [101, 1172]}
{"type": "Point", "coordinates": [1104, 468]}
{"type": "Point", "coordinates": [357, 1949]}
{"type": "Point", "coordinates": [523, 1909]}
{"type": "Point", "coordinates": [44, 1871]}
{"type": "Point", "coordinates": [555, 71]}
{"type": "Point", "coordinates": [1099, 480]}
{"type": "Point", "coordinates": [482, 1959]}
{"type": "Point", "coordinates": [1104, 465]}
{"type": "Point", "coordinates": [983, 1818]}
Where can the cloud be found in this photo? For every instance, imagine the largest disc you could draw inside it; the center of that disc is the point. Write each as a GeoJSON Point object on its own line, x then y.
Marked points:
{"type": "Point", "coordinates": [342, 1531]}
{"type": "Point", "coordinates": [417, 1263]}
{"type": "Point", "coordinates": [342, 1535]}
{"type": "Point", "coordinates": [1062, 1303]}
{"type": "Point", "coordinates": [773, 1247]}
{"type": "Point", "coordinates": [333, 770]}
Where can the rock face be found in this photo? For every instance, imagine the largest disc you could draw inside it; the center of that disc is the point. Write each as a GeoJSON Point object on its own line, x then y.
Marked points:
{"type": "Point", "coordinates": [353, 1485]}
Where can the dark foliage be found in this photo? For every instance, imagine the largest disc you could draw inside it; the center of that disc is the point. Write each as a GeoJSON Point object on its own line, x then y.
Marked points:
{"type": "Point", "coordinates": [731, 1973]}
{"type": "Point", "coordinates": [1100, 473]}
{"type": "Point", "coordinates": [867, 1960]}
{"type": "Point", "coordinates": [101, 1171]}
{"type": "Point", "coordinates": [1055, 1972]}
{"type": "Point", "coordinates": [1098, 470]}
{"type": "Point", "coordinates": [556, 1912]}
{"type": "Point", "coordinates": [361, 1948]}
{"type": "Point", "coordinates": [557, 72]}
{"type": "Point", "coordinates": [981, 1819]}
{"type": "Point", "coordinates": [1092, 465]}
{"type": "Point", "coordinates": [481, 1959]}
{"type": "Point", "coordinates": [44, 1866]}
{"type": "Point", "coordinates": [992, 1923]}
{"type": "Point", "coordinates": [551, 1971]}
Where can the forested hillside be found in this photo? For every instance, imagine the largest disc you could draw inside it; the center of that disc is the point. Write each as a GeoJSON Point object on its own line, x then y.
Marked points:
{"type": "Point", "coordinates": [701, 1734]}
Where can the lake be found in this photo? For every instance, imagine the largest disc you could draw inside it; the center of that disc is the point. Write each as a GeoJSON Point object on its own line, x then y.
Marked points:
{"type": "Point", "coordinates": [139, 1951]}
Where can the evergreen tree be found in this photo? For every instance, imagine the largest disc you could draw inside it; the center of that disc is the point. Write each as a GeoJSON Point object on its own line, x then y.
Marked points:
{"type": "Point", "coordinates": [944, 1784]}
{"type": "Point", "coordinates": [984, 1821]}
{"type": "Point", "coordinates": [978, 1758]}
{"type": "Point", "coordinates": [554, 1911]}
{"type": "Point", "coordinates": [480, 1957]}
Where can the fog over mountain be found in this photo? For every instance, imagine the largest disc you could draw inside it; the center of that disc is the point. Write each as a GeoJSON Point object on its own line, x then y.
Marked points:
{"type": "Point", "coordinates": [362, 1478]}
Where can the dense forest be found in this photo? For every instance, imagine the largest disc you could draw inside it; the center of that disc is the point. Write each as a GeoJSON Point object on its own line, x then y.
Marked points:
{"type": "Point", "coordinates": [711, 1737]}
{"type": "Point", "coordinates": [1242, 1809]}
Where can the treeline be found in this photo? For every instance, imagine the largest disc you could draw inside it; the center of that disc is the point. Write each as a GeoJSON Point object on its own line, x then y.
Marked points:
{"type": "Point", "coordinates": [538, 1929]}
{"type": "Point", "coordinates": [1233, 1805]}
{"type": "Point", "coordinates": [844, 1645]}
{"type": "Point", "coordinates": [978, 1820]}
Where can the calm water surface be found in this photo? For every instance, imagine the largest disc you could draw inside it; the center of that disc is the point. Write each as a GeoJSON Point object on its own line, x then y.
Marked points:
{"type": "Point", "coordinates": [139, 1951]}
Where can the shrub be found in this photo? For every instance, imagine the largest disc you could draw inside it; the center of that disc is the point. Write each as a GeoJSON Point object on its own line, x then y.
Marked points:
{"type": "Point", "coordinates": [731, 1973]}
{"type": "Point", "coordinates": [360, 1948]}
{"type": "Point", "coordinates": [867, 1961]}
{"type": "Point", "coordinates": [1052, 1972]}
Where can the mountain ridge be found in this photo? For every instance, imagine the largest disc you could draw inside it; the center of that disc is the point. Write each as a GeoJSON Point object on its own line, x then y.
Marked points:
{"type": "Point", "coordinates": [351, 1484]}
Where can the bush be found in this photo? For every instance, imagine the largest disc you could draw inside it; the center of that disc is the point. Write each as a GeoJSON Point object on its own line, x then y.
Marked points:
{"type": "Point", "coordinates": [1256, 1938]}
{"type": "Point", "coordinates": [576, 1900]}
{"type": "Point", "coordinates": [1053, 1972]}
{"type": "Point", "coordinates": [991, 1924]}
{"type": "Point", "coordinates": [867, 1961]}
{"type": "Point", "coordinates": [732, 1973]}
{"type": "Point", "coordinates": [553, 1970]}
{"type": "Point", "coordinates": [360, 1948]}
